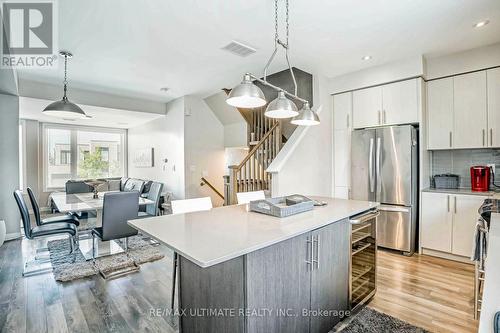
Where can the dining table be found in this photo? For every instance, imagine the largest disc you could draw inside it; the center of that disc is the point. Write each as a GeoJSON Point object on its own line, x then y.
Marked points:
{"type": "Point", "coordinates": [85, 202]}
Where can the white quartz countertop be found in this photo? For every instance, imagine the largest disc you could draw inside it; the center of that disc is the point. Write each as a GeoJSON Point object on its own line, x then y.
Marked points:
{"type": "Point", "coordinates": [491, 292]}
{"type": "Point", "coordinates": [467, 191]}
{"type": "Point", "coordinates": [220, 234]}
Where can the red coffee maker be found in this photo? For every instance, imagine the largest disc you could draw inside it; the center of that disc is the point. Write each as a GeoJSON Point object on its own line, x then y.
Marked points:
{"type": "Point", "coordinates": [480, 178]}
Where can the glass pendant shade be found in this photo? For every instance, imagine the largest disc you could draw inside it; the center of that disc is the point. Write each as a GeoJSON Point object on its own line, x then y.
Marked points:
{"type": "Point", "coordinates": [246, 95]}
{"type": "Point", "coordinates": [281, 107]}
{"type": "Point", "coordinates": [306, 117]}
{"type": "Point", "coordinates": [64, 109]}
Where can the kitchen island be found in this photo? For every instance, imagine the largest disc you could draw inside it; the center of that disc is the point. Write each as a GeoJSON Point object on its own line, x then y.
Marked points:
{"type": "Point", "coordinates": [491, 293]}
{"type": "Point", "coordinates": [241, 271]}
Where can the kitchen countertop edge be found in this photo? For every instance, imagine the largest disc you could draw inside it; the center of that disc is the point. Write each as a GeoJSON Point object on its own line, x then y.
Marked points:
{"type": "Point", "coordinates": [242, 252]}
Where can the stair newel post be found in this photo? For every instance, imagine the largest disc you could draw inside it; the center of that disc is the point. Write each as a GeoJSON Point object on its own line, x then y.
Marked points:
{"type": "Point", "coordinates": [227, 188]}
{"type": "Point", "coordinates": [233, 184]}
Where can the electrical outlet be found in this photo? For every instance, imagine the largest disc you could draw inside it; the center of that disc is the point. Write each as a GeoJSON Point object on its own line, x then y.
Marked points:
{"type": "Point", "coordinates": [492, 166]}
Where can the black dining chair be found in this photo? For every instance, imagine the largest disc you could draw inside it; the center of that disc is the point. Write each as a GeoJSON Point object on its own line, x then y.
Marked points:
{"type": "Point", "coordinates": [118, 208]}
{"type": "Point", "coordinates": [44, 230]}
{"type": "Point", "coordinates": [154, 195]}
{"type": "Point", "coordinates": [69, 218]}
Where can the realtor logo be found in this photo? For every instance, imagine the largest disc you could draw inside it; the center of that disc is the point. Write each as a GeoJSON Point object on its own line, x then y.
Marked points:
{"type": "Point", "coordinates": [28, 38]}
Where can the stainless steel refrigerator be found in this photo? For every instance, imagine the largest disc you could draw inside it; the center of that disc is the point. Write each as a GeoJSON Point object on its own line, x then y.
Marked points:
{"type": "Point", "coordinates": [385, 169]}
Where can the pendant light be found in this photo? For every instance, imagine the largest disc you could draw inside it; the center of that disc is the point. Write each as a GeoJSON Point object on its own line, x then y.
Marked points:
{"type": "Point", "coordinates": [281, 107]}
{"type": "Point", "coordinates": [306, 117]}
{"type": "Point", "coordinates": [64, 108]}
{"type": "Point", "coordinates": [246, 95]}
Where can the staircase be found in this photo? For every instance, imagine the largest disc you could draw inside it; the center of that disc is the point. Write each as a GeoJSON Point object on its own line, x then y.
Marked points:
{"type": "Point", "coordinates": [265, 139]}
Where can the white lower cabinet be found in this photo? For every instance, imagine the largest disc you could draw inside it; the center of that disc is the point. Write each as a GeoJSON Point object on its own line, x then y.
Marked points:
{"type": "Point", "coordinates": [448, 222]}
{"type": "Point", "coordinates": [436, 222]}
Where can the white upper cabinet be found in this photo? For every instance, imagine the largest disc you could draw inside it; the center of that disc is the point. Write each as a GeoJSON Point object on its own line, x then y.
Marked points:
{"type": "Point", "coordinates": [342, 111]}
{"type": "Point", "coordinates": [464, 111]}
{"type": "Point", "coordinates": [367, 107]}
{"type": "Point", "coordinates": [493, 107]}
{"type": "Point", "coordinates": [389, 104]}
{"type": "Point", "coordinates": [470, 111]}
{"type": "Point", "coordinates": [440, 114]}
{"type": "Point", "coordinates": [400, 103]}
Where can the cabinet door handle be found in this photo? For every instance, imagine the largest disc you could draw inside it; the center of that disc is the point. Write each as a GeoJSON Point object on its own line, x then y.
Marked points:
{"type": "Point", "coordinates": [379, 118]}
{"type": "Point", "coordinates": [448, 202]}
{"type": "Point", "coordinates": [384, 117]}
{"type": "Point", "coordinates": [484, 137]}
{"type": "Point", "coordinates": [317, 252]}
{"type": "Point", "coordinates": [491, 137]}
{"type": "Point", "coordinates": [451, 139]}
{"type": "Point", "coordinates": [455, 204]}
{"type": "Point", "coordinates": [309, 251]}
{"type": "Point", "coordinates": [347, 120]}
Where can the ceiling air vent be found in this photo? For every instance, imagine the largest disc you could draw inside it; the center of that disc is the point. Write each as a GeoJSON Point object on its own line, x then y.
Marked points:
{"type": "Point", "coordinates": [239, 49]}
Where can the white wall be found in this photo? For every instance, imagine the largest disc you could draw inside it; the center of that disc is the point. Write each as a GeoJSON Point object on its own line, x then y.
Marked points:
{"type": "Point", "coordinates": [304, 165]}
{"type": "Point", "coordinates": [204, 150]}
{"type": "Point", "coordinates": [166, 136]}
{"type": "Point", "coordinates": [470, 60]}
{"type": "Point", "coordinates": [235, 135]}
{"type": "Point", "coordinates": [394, 71]}
{"type": "Point", "coordinates": [9, 163]}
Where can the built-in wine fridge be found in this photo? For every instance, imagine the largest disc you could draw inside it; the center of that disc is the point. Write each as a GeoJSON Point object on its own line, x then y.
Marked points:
{"type": "Point", "coordinates": [363, 263]}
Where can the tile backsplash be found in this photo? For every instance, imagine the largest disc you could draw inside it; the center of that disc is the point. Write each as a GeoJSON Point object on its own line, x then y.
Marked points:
{"type": "Point", "coordinates": [460, 161]}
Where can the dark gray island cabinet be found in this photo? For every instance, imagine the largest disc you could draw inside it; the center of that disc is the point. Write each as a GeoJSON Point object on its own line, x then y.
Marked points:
{"type": "Point", "coordinates": [262, 274]}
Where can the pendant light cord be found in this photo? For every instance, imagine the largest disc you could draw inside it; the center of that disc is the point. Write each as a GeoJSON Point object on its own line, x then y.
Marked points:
{"type": "Point", "coordinates": [65, 76]}
{"type": "Point", "coordinates": [285, 44]}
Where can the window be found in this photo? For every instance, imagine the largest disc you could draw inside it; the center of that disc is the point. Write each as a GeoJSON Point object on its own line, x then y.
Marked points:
{"type": "Point", "coordinates": [65, 157]}
{"type": "Point", "coordinates": [77, 152]}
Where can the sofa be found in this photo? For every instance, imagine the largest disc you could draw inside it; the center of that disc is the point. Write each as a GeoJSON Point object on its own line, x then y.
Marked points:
{"type": "Point", "coordinates": [111, 184]}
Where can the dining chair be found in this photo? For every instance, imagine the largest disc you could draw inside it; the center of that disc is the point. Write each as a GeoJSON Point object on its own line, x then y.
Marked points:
{"type": "Point", "coordinates": [246, 197]}
{"type": "Point", "coordinates": [69, 218]}
{"type": "Point", "coordinates": [191, 205]}
{"type": "Point", "coordinates": [181, 207]}
{"type": "Point", "coordinates": [117, 209]}
{"type": "Point", "coordinates": [41, 231]}
{"type": "Point", "coordinates": [154, 194]}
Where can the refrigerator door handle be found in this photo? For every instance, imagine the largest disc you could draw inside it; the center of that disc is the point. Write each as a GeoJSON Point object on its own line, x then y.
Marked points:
{"type": "Point", "coordinates": [370, 167]}
{"type": "Point", "coordinates": [377, 165]}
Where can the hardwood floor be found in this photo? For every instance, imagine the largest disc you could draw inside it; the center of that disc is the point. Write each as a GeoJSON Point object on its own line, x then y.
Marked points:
{"type": "Point", "coordinates": [40, 304]}
{"type": "Point", "coordinates": [429, 292]}
{"type": "Point", "coordinates": [432, 293]}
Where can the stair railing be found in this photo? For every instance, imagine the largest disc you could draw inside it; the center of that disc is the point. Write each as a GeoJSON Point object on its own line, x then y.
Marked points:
{"type": "Point", "coordinates": [251, 174]}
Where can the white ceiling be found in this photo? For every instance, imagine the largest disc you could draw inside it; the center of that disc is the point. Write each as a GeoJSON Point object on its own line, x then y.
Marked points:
{"type": "Point", "coordinates": [31, 108]}
{"type": "Point", "coordinates": [135, 47]}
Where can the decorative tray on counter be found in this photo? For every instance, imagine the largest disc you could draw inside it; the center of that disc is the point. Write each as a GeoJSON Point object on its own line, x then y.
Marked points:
{"type": "Point", "coordinates": [282, 206]}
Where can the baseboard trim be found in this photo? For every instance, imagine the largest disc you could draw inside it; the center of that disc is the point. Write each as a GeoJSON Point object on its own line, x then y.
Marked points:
{"type": "Point", "coordinates": [446, 255]}
{"type": "Point", "coordinates": [12, 236]}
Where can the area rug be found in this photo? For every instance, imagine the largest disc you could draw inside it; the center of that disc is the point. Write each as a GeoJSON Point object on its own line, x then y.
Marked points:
{"type": "Point", "coordinates": [371, 321]}
{"type": "Point", "coordinates": [68, 267]}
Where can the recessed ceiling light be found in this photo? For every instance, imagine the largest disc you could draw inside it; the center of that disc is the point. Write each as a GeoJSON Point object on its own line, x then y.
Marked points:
{"type": "Point", "coordinates": [366, 57]}
{"type": "Point", "coordinates": [481, 24]}
{"type": "Point", "coordinates": [122, 123]}
{"type": "Point", "coordinates": [164, 89]}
